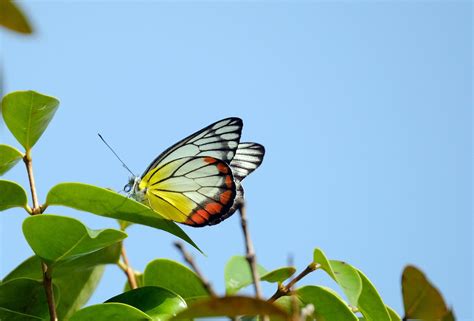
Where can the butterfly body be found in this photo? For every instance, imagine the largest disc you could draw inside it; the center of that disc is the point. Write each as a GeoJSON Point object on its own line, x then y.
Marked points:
{"type": "Point", "coordinates": [197, 181]}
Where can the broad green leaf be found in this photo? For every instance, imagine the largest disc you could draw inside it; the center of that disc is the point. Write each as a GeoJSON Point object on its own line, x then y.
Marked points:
{"type": "Point", "coordinates": [58, 238]}
{"type": "Point", "coordinates": [327, 305]}
{"type": "Point", "coordinates": [76, 280]}
{"type": "Point", "coordinates": [24, 296]}
{"type": "Point", "coordinates": [12, 195]}
{"type": "Point", "coordinates": [175, 277]}
{"type": "Point", "coordinates": [348, 279]}
{"type": "Point", "coordinates": [231, 306]}
{"type": "Point", "coordinates": [289, 303]}
{"type": "Point", "coordinates": [110, 312]}
{"type": "Point", "coordinates": [159, 303]}
{"type": "Point", "coordinates": [9, 156]}
{"type": "Point", "coordinates": [27, 115]}
{"type": "Point", "coordinates": [103, 202]}
{"type": "Point", "coordinates": [278, 275]}
{"type": "Point", "coordinates": [13, 18]}
{"type": "Point", "coordinates": [138, 278]}
{"type": "Point", "coordinates": [370, 303]}
{"type": "Point", "coordinates": [393, 315]}
{"type": "Point", "coordinates": [237, 274]}
{"type": "Point", "coordinates": [320, 258]}
{"type": "Point", "coordinates": [420, 298]}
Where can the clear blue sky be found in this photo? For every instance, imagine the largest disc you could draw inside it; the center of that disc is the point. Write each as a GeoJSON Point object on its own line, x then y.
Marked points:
{"type": "Point", "coordinates": [364, 108]}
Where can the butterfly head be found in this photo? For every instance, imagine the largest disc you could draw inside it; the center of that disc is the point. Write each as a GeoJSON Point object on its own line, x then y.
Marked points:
{"type": "Point", "coordinates": [133, 189]}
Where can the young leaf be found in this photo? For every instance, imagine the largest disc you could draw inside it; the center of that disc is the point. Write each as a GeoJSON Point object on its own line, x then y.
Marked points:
{"type": "Point", "coordinates": [103, 202]}
{"type": "Point", "coordinates": [393, 315]}
{"type": "Point", "coordinates": [278, 275]}
{"type": "Point", "coordinates": [23, 297]}
{"type": "Point", "coordinates": [110, 312]}
{"type": "Point", "coordinates": [58, 239]}
{"type": "Point", "coordinates": [370, 303]}
{"type": "Point", "coordinates": [12, 195]}
{"type": "Point", "coordinates": [320, 258]}
{"type": "Point", "coordinates": [327, 305]}
{"type": "Point", "coordinates": [159, 303]}
{"type": "Point", "coordinates": [420, 298]}
{"type": "Point", "coordinates": [13, 18]}
{"type": "Point", "coordinates": [27, 114]}
{"type": "Point", "coordinates": [237, 274]}
{"type": "Point", "coordinates": [175, 277]}
{"type": "Point", "coordinates": [231, 306]}
{"type": "Point", "coordinates": [9, 156]}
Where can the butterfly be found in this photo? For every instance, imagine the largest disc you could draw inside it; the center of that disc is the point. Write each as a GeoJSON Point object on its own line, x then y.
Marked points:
{"type": "Point", "coordinates": [197, 181]}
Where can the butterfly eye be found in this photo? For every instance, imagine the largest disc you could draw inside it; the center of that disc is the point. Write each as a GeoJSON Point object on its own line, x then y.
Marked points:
{"type": "Point", "coordinates": [127, 188]}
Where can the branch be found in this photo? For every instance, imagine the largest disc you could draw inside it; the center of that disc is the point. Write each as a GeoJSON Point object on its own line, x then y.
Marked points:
{"type": "Point", "coordinates": [285, 289]}
{"type": "Point", "coordinates": [251, 258]}
{"type": "Point", "coordinates": [37, 209]}
{"type": "Point", "coordinates": [189, 259]}
{"type": "Point", "coordinates": [127, 269]}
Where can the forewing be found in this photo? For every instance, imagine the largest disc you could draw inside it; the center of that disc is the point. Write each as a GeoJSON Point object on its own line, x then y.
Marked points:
{"type": "Point", "coordinates": [247, 158]}
{"type": "Point", "coordinates": [196, 191]}
{"type": "Point", "coordinates": [219, 140]}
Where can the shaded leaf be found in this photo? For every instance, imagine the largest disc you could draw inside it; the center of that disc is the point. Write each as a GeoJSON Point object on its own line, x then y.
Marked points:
{"type": "Point", "coordinates": [33, 302]}
{"type": "Point", "coordinates": [159, 303]}
{"type": "Point", "coordinates": [237, 274]}
{"type": "Point", "coordinates": [13, 18]}
{"type": "Point", "coordinates": [103, 202]}
{"type": "Point", "coordinates": [9, 156]}
{"type": "Point", "coordinates": [175, 277]}
{"type": "Point", "coordinates": [278, 275]}
{"type": "Point", "coordinates": [110, 312]}
{"type": "Point", "coordinates": [12, 195]}
{"type": "Point", "coordinates": [27, 115]}
{"type": "Point", "coordinates": [420, 298]}
{"type": "Point", "coordinates": [327, 305]}
{"type": "Point", "coordinates": [231, 306]}
{"type": "Point", "coordinates": [58, 238]}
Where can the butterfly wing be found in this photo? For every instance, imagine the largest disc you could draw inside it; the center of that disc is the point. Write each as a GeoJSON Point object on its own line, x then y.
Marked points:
{"type": "Point", "coordinates": [196, 191]}
{"type": "Point", "coordinates": [247, 158]}
{"type": "Point", "coordinates": [219, 140]}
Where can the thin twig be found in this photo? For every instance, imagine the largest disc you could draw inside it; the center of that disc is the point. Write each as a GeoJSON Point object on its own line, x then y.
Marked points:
{"type": "Point", "coordinates": [250, 251]}
{"type": "Point", "coordinates": [47, 282]}
{"type": "Point", "coordinates": [189, 259]}
{"type": "Point", "coordinates": [285, 289]}
{"type": "Point", "coordinates": [125, 266]}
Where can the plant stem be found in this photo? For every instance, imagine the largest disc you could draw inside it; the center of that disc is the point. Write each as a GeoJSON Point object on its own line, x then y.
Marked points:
{"type": "Point", "coordinates": [125, 266]}
{"type": "Point", "coordinates": [285, 289]}
{"type": "Point", "coordinates": [47, 281]}
{"type": "Point", "coordinates": [251, 258]}
{"type": "Point", "coordinates": [189, 259]}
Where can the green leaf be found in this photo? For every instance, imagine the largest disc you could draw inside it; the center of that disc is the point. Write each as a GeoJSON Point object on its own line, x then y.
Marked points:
{"type": "Point", "coordinates": [237, 274]}
{"type": "Point", "coordinates": [76, 280]}
{"type": "Point", "coordinates": [58, 238]}
{"type": "Point", "coordinates": [320, 258]}
{"type": "Point", "coordinates": [393, 315]}
{"type": "Point", "coordinates": [231, 306]}
{"type": "Point", "coordinates": [175, 277]}
{"type": "Point", "coordinates": [370, 303]}
{"type": "Point", "coordinates": [103, 202]}
{"type": "Point", "coordinates": [420, 298]}
{"type": "Point", "coordinates": [348, 279]}
{"type": "Point", "coordinates": [327, 305]}
{"type": "Point", "coordinates": [27, 114]}
{"type": "Point", "coordinates": [159, 303]}
{"type": "Point", "coordinates": [13, 18]}
{"type": "Point", "coordinates": [278, 275]}
{"type": "Point", "coordinates": [110, 312]}
{"type": "Point", "coordinates": [12, 195]}
{"type": "Point", "coordinates": [286, 303]}
{"type": "Point", "coordinates": [9, 156]}
{"type": "Point", "coordinates": [23, 297]}
{"type": "Point", "coordinates": [138, 278]}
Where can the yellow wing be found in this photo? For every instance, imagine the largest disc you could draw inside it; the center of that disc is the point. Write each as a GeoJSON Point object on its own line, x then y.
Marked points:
{"type": "Point", "coordinates": [192, 190]}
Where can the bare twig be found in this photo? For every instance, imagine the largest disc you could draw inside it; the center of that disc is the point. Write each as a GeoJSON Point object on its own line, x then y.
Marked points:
{"type": "Point", "coordinates": [127, 269]}
{"type": "Point", "coordinates": [47, 282]}
{"type": "Point", "coordinates": [189, 259]}
{"type": "Point", "coordinates": [285, 289]}
{"type": "Point", "coordinates": [250, 251]}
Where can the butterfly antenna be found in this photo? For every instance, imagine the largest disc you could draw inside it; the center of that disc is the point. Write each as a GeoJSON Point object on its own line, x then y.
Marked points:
{"type": "Point", "coordinates": [121, 161]}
